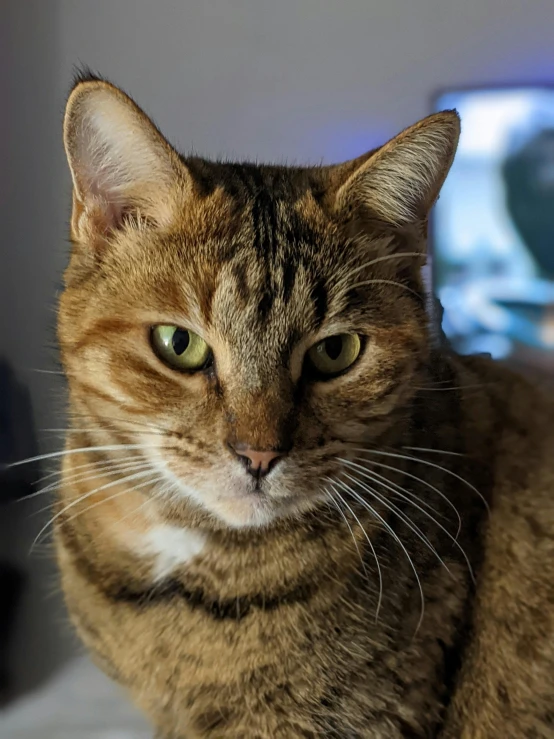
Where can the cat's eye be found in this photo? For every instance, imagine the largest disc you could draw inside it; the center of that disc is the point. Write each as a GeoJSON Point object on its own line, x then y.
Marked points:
{"type": "Point", "coordinates": [181, 349]}
{"type": "Point", "coordinates": [334, 355]}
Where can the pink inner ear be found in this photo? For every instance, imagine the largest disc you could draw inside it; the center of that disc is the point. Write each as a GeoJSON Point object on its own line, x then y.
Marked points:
{"type": "Point", "coordinates": [104, 217]}
{"type": "Point", "coordinates": [106, 207]}
{"type": "Point", "coordinates": [121, 167]}
{"type": "Point", "coordinates": [95, 219]}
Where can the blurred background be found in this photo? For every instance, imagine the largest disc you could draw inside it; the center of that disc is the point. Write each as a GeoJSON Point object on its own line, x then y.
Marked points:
{"type": "Point", "coordinates": [288, 80]}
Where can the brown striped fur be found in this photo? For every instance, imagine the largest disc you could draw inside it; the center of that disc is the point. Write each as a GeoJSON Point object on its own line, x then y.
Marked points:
{"type": "Point", "coordinates": [272, 629]}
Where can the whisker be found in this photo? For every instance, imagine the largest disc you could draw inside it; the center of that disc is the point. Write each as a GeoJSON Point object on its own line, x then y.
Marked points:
{"type": "Point", "coordinates": [423, 482]}
{"type": "Point", "coordinates": [110, 428]}
{"type": "Point", "coordinates": [82, 477]}
{"type": "Point", "coordinates": [440, 382]}
{"type": "Point", "coordinates": [45, 371]}
{"type": "Point", "coordinates": [429, 464]}
{"type": "Point", "coordinates": [156, 495]}
{"type": "Point", "coordinates": [385, 282]}
{"type": "Point", "coordinates": [402, 516]}
{"type": "Point", "coordinates": [445, 381]}
{"type": "Point", "coordinates": [96, 464]}
{"type": "Point", "coordinates": [385, 258]}
{"type": "Point", "coordinates": [130, 421]}
{"type": "Point", "coordinates": [437, 523]}
{"type": "Point", "coordinates": [433, 451]}
{"type": "Point", "coordinates": [90, 478]}
{"type": "Point", "coordinates": [431, 389]}
{"type": "Point", "coordinates": [392, 532]}
{"type": "Point", "coordinates": [330, 497]}
{"type": "Point", "coordinates": [378, 564]}
{"type": "Point", "coordinates": [81, 450]}
{"type": "Point", "coordinates": [117, 495]}
{"type": "Point", "coordinates": [394, 487]}
{"type": "Point", "coordinates": [71, 430]}
{"type": "Point", "coordinates": [166, 489]}
{"type": "Point", "coordinates": [81, 498]}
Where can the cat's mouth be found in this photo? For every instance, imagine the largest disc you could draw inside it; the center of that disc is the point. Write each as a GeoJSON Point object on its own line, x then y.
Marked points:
{"type": "Point", "coordinates": [237, 498]}
{"type": "Point", "coordinates": [254, 503]}
{"type": "Point", "coordinates": [249, 507]}
{"type": "Point", "coordinates": [250, 503]}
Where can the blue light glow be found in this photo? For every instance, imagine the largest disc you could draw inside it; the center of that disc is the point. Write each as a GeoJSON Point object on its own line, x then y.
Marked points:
{"type": "Point", "coordinates": [493, 227]}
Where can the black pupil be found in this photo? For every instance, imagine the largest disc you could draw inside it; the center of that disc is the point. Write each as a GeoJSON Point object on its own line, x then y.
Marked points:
{"type": "Point", "coordinates": [333, 347]}
{"type": "Point", "coordinates": [180, 341]}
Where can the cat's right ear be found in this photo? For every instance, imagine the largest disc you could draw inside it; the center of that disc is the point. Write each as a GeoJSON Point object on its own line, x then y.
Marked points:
{"type": "Point", "coordinates": [120, 163]}
{"type": "Point", "coordinates": [398, 183]}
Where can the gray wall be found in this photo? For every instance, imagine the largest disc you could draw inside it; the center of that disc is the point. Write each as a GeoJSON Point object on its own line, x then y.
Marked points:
{"type": "Point", "coordinates": [302, 79]}
{"type": "Point", "coordinates": [272, 79]}
{"type": "Point", "coordinates": [269, 79]}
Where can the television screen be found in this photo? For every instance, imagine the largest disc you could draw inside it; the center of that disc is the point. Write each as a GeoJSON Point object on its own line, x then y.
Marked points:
{"type": "Point", "coordinates": [493, 226]}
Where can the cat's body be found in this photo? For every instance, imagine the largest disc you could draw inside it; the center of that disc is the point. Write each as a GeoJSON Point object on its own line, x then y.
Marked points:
{"type": "Point", "coordinates": [333, 594]}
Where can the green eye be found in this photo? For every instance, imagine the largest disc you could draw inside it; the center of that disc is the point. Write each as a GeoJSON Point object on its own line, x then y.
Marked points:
{"type": "Point", "coordinates": [335, 354]}
{"type": "Point", "coordinates": [180, 349]}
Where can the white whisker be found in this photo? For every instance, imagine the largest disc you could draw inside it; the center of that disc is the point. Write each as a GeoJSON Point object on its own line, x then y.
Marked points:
{"type": "Point", "coordinates": [89, 508]}
{"type": "Point", "coordinates": [81, 450]}
{"type": "Point", "coordinates": [423, 482]}
{"type": "Point", "coordinates": [71, 430]}
{"type": "Point", "coordinates": [45, 371]}
{"type": "Point", "coordinates": [433, 451]}
{"type": "Point", "coordinates": [378, 564]}
{"type": "Point", "coordinates": [384, 282]}
{"type": "Point", "coordinates": [394, 487]}
{"type": "Point", "coordinates": [396, 538]}
{"type": "Point", "coordinates": [429, 464]}
{"type": "Point", "coordinates": [431, 389]}
{"type": "Point", "coordinates": [132, 422]}
{"type": "Point", "coordinates": [81, 498]}
{"type": "Point", "coordinates": [402, 516]}
{"type": "Point", "coordinates": [429, 516]}
{"type": "Point", "coordinates": [400, 255]}
{"type": "Point", "coordinates": [330, 497]}
{"type": "Point", "coordinates": [106, 463]}
{"type": "Point", "coordinates": [82, 477]}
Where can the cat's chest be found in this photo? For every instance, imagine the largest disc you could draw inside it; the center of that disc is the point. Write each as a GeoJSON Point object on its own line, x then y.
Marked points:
{"type": "Point", "coordinates": [312, 642]}
{"type": "Point", "coordinates": [166, 549]}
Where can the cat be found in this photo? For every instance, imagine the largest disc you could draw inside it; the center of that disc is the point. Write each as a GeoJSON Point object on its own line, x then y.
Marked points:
{"type": "Point", "coordinates": [289, 509]}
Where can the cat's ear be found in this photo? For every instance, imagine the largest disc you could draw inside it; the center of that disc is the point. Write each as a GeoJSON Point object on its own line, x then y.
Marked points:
{"type": "Point", "coordinates": [120, 163]}
{"type": "Point", "coordinates": [399, 183]}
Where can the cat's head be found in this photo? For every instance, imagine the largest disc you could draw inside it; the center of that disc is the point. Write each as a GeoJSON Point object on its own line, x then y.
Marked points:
{"type": "Point", "coordinates": [242, 328]}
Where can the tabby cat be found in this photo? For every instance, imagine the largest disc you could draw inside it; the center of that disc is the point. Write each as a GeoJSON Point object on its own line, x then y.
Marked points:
{"type": "Point", "coordinates": [287, 508]}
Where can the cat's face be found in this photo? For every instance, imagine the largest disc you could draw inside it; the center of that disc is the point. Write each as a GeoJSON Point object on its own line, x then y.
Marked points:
{"type": "Point", "coordinates": [241, 328]}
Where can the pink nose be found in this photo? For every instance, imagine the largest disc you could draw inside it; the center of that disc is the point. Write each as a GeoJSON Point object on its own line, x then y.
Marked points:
{"type": "Point", "coordinates": [258, 463]}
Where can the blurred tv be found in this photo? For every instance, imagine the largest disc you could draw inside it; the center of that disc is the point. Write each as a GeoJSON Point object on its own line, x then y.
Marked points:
{"type": "Point", "coordinates": [492, 230]}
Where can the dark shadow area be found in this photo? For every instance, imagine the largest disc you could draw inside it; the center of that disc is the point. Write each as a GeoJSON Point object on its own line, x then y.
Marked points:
{"type": "Point", "coordinates": [17, 441]}
{"type": "Point", "coordinates": [31, 193]}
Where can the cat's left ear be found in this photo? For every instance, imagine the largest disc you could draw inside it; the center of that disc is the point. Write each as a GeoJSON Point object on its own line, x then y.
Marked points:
{"type": "Point", "coordinates": [120, 163]}
{"type": "Point", "coordinates": [399, 183]}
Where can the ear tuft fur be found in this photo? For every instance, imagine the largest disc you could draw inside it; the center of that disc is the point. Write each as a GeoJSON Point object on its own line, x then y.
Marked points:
{"type": "Point", "coordinates": [119, 161]}
{"type": "Point", "coordinates": [400, 182]}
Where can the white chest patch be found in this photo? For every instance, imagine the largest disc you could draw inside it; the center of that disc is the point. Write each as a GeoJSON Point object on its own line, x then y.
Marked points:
{"type": "Point", "coordinates": [171, 547]}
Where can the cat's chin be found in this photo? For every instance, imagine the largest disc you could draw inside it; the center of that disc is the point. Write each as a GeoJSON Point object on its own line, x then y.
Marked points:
{"type": "Point", "coordinates": [235, 500]}
{"type": "Point", "coordinates": [246, 507]}
{"type": "Point", "coordinates": [252, 510]}
{"type": "Point", "coordinates": [248, 511]}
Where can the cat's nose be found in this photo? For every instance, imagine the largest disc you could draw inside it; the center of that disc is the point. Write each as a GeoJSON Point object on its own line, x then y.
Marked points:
{"type": "Point", "coordinates": [257, 462]}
